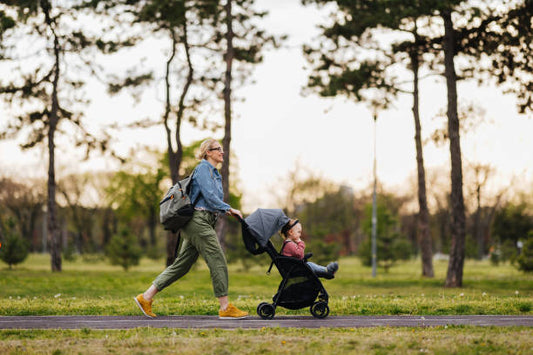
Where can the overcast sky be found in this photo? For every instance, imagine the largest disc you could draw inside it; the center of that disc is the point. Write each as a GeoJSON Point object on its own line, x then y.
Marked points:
{"type": "Point", "coordinates": [275, 126]}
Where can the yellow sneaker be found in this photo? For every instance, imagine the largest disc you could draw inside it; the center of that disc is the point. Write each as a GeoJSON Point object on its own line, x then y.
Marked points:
{"type": "Point", "coordinates": [145, 306]}
{"type": "Point", "coordinates": [232, 312]}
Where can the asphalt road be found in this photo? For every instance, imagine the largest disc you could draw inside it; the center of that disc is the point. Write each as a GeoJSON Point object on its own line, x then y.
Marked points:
{"type": "Point", "coordinates": [254, 322]}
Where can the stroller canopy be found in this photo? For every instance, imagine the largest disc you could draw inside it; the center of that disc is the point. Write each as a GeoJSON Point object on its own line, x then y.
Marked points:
{"type": "Point", "coordinates": [265, 223]}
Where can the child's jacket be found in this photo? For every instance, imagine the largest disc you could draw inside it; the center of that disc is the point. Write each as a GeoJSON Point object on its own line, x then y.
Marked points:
{"type": "Point", "coordinates": [293, 249]}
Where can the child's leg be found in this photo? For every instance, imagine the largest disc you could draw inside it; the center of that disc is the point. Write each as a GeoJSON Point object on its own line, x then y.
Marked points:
{"type": "Point", "coordinates": [319, 270]}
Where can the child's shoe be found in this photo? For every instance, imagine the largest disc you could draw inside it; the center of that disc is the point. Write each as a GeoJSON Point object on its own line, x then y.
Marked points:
{"type": "Point", "coordinates": [232, 312]}
{"type": "Point", "coordinates": [333, 267]}
{"type": "Point", "coordinates": [145, 306]}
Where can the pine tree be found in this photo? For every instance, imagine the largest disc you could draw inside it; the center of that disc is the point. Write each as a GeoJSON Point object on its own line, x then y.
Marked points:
{"type": "Point", "coordinates": [13, 250]}
{"type": "Point", "coordinates": [123, 249]}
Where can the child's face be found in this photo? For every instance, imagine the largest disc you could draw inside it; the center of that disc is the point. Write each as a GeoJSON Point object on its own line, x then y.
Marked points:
{"type": "Point", "coordinates": [295, 232]}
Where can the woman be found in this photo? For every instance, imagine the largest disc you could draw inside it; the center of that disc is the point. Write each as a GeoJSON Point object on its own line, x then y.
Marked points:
{"type": "Point", "coordinates": [199, 236]}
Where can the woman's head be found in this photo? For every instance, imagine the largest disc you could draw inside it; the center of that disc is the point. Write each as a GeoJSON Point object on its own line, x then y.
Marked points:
{"type": "Point", "coordinates": [210, 149]}
{"type": "Point", "coordinates": [292, 230]}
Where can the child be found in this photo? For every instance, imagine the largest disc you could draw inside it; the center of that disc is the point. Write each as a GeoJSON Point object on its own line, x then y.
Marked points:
{"type": "Point", "coordinates": [294, 246]}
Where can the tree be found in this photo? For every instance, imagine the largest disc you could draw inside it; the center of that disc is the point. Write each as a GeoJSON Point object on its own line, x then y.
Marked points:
{"type": "Point", "coordinates": [481, 174]}
{"type": "Point", "coordinates": [496, 34]}
{"type": "Point", "coordinates": [124, 250]}
{"type": "Point", "coordinates": [244, 43]}
{"type": "Point", "coordinates": [190, 29]}
{"type": "Point", "coordinates": [23, 203]}
{"type": "Point", "coordinates": [512, 223]}
{"type": "Point", "coordinates": [48, 90]}
{"type": "Point", "coordinates": [484, 32]}
{"type": "Point", "coordinates": [137, 195]}
{"type": "Point", "coordinates": [75, 191]}
{"type": "Point", "coordinates": [391, 245]}
{"type": "Point", "coordinates": [525, 259]}
{"type": "Point", "coordinates": [353, 64]}
{"type": "Point", "coordinates": [454, 276]}
{"type": "Point", "coordinates": [331, 221]}
{"type": "Point", "coordinates": [13, 250]}
{"type": "Point", "coordinates": [6, 22]}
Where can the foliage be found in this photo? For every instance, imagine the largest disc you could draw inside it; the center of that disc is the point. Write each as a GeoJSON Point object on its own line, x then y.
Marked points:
{"type": "Point", "coordinates": [323, 253]}
{"type": "Point", "coordinates": [44, 93]}
{"type": "Point", "coordinates": [35, 82]}
{"type": "Point", "coordinates": [330, 219]}
{"type": "Point", "coordinates": [6, 23]}
{"type": "Point", "coordinates": [391, 245]}
{"type": "Point", "coordinates": [390, 250]}
{"type": "Point", "coordinates": [13, 249]}
{"type": "Point", "coordinates": [136, 195]}
{"type": "Point", "coordinates": [123, 249]}
{"type": "Point", "coordinates": [512, 223]}
{"type": "Point", "coordinates": [503, 252]}
{"type": "Point", "coordinates": [23, 202]}
{"type": "Point", "coordinates": [525, 259]}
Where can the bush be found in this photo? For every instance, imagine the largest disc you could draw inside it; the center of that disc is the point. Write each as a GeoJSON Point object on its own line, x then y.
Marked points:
{"type": "Point", "coordinates": [504, 252]}
{"type": "Point", "coordinates": [525, 259]}
{"type": "Point", "coordinates": [123, 249]}
{"type": "Point", "coordinates": [389, 251]}
{"type": "Point", "coordinates": [323, 252]}
{"type": "Point", "coordinates": [14, 250]}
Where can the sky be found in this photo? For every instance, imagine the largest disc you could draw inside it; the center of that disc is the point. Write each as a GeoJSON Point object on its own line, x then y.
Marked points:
{"type": "Point", "coordinates": [275, 128]}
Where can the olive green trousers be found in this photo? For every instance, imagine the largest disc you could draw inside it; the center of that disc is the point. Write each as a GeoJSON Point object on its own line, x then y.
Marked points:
{"type": "Point", "coordinates": [199, 238]}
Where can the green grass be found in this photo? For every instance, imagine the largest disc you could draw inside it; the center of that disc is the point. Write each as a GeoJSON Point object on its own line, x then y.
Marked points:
{"type": "Point", "coordinates": [384, 340]}
{"type": "Point", "coordinates": [97, 288]}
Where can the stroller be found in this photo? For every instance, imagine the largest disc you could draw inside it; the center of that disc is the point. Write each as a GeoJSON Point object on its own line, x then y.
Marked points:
{"type": "Point", "coordinates": [300, 287]}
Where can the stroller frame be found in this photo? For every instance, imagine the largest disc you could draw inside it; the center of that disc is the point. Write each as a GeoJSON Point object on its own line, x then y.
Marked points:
{"type": "Point", "coordinates": [299, 287]}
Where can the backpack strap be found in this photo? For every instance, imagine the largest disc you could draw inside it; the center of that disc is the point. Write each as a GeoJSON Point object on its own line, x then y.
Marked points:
{"type": "Point", "coordinates": [200, 193]}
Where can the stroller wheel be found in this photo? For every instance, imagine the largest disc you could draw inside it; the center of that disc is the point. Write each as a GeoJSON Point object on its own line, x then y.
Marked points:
{"type": "Point", "coordinates": [320, 309]}
{"type": "Point", "coordinates": [266, 310]}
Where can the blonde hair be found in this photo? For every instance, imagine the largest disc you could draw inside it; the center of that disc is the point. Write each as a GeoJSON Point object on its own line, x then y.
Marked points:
{"type": "Point", "coordinates": [288, 226]}
{"type": "Point", "coordinates": [204, 147]}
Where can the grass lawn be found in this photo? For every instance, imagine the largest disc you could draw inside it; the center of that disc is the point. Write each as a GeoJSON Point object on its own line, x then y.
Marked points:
{"type": "Point", "coordinates": [95, 288]}
{"type": "Point", "coordinates": [445, 341]}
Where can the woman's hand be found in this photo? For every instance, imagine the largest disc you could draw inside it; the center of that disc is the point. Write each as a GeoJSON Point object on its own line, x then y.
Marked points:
{"type": "Point", "coordinates": [233, 212]}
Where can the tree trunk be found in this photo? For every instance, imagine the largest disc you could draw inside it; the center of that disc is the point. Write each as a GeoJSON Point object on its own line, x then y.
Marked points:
{"type": "Point", "coordinates": [54, 236]}
{"type": "Point", "coordinates": [175, 157]}
{"type": "Point", "coordinates": [454, 277]}
{"type": "Point", "coordinates": [477, 226]}
{"type": "Point", "coordinates": [423, 214]}
{"type": "Point", "coordinates": [226, 142]}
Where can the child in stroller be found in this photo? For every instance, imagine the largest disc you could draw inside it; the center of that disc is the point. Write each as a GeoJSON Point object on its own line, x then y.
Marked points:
{"type": "Point", "coordinates": [295, 247]}
{"type": "Point", "coordinates": [300, 287]}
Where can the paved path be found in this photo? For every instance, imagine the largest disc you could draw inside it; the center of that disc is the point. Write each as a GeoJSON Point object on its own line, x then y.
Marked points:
{"type": "Point", "coordinates": [254, 322]}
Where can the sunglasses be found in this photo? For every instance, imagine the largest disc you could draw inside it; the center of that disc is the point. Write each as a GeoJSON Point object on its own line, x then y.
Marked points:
{"type": "Point", "coordinates": [218, 148]}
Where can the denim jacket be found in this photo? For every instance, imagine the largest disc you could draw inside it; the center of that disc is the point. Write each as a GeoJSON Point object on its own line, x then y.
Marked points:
{"type": "Point", "coordinates": [207, 190]}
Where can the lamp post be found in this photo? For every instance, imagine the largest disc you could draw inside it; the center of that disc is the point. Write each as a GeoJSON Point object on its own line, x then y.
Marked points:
{"type": "Point", "coordinates": [44, 230]}
{"type": "Point", "coordinates": [374, 206]}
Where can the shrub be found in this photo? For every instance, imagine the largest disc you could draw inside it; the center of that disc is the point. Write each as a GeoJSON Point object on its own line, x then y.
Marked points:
{"type": "Point", "coordinates": [123, 249]}
{"type": "Point", "coordinates": [14, 250]}
{"type": "Point", "coordinates": [389, 251]}
{"type": "Point", "coordinates": [323, 252]}
{"type": "Point", "coordinates": [525, 259]}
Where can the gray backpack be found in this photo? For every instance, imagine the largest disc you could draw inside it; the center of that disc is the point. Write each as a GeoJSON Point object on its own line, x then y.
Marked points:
{"type": "Point", "coordinates": [176, 208]}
